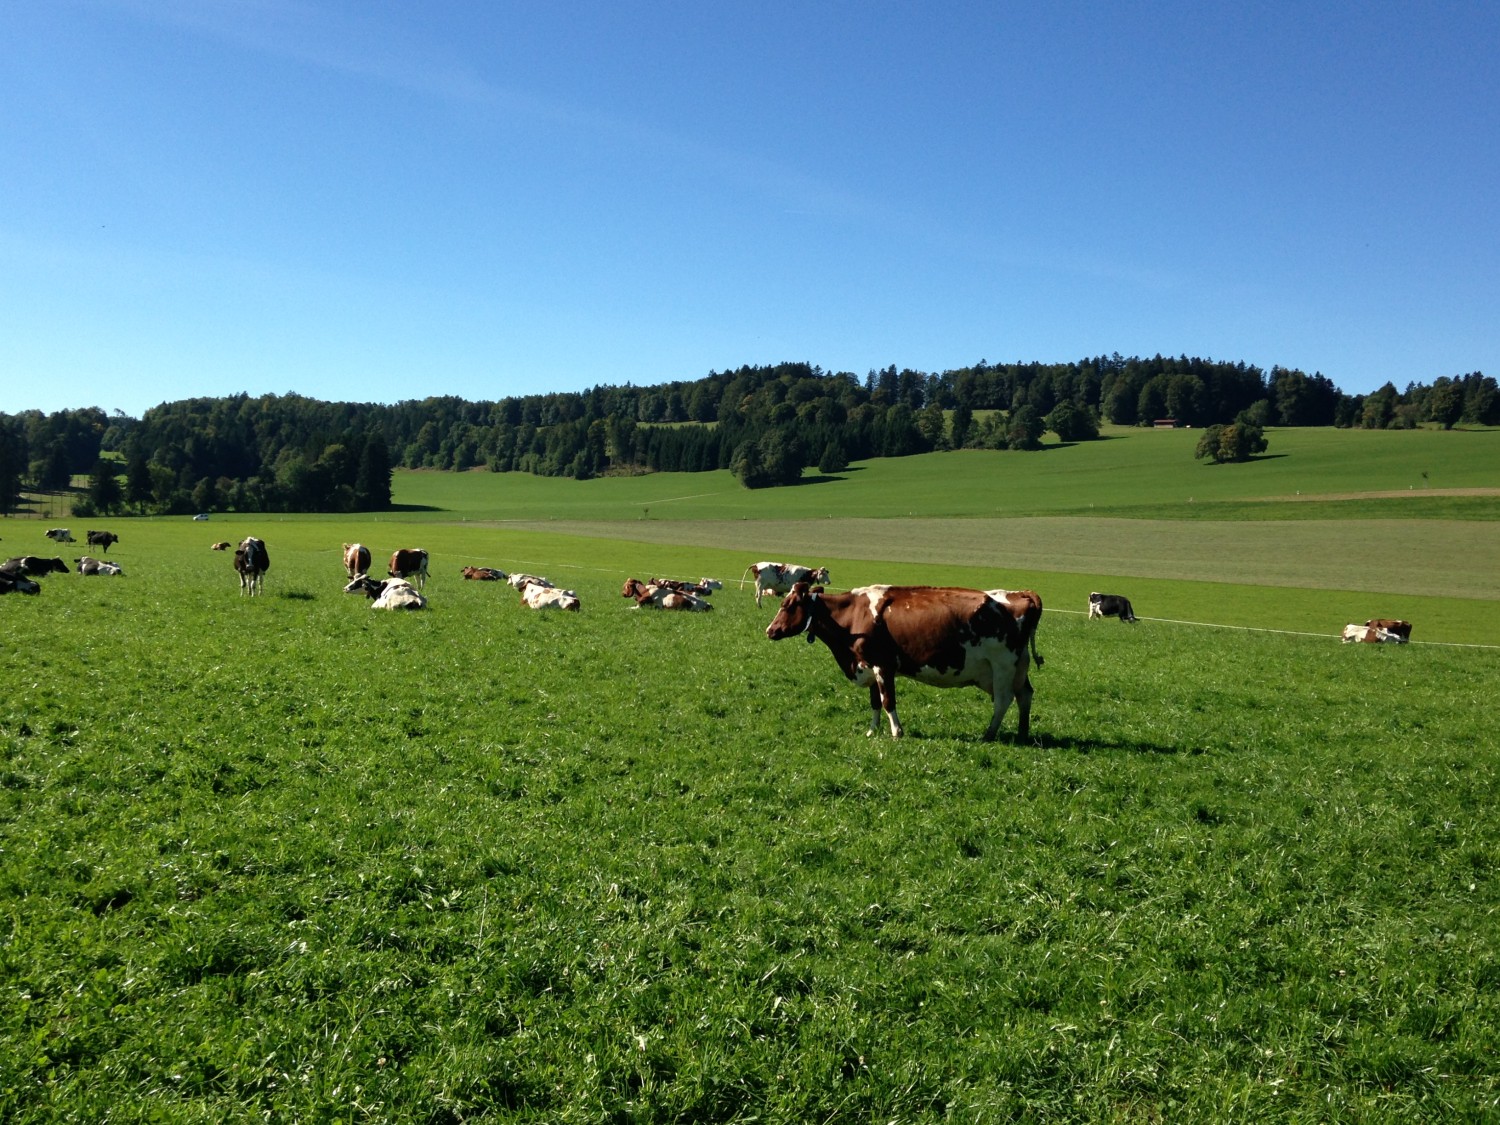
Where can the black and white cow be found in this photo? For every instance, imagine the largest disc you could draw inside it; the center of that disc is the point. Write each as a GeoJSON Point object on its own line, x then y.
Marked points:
{"type": "Point", "coordinates": [102, 540]}
{"type": "Point", "coordinates": [1110, 605]}
{"type": "Point", "coordinates": [252, 561]}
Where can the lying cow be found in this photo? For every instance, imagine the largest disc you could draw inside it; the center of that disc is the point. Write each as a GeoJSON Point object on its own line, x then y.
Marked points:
{"type": "Point", "coordinates": [483, 574]}
{"type": "Point", "coordinates": [91, 566]}
{"type": "Point", "coordinates": [18, 584]}
{"type": "Point", "coordinates": [1110, 605]}
{"type": "Point", "coordinates": [654, 595]}
{"type": "Point", "coordinates": [536, 596]}
{"type": "Point", "coordinates": [356, 559]}
{"type": "Point", "coordinates": [33, 566]}
{"type": "Point", "coordinates": [387, 593]}
{"type": "Point", "coordinates": [1400, 630]}
{"type": "Point", "coordinates": [778, 578]}
{"type": "Point", "coordinates": [521, 581]}
{"type": "Point", "coordinates": [223, 545]}
{"type": "Point", "coordinates": [59, 534]}
{"type": "Point", "coordinates": [1369, 635]}
{"type": "Point", "coordinates": [702, 588]}
{"type": "Point", "coordinates": [940, 635]}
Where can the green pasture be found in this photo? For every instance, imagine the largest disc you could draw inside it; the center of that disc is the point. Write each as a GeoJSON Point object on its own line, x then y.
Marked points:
{"type": "Point", "coordinates": [291, 859]}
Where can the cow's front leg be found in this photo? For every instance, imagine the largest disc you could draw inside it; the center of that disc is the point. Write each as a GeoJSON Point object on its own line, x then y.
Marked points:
{"type": "Point", "coordinates": [883, 698]}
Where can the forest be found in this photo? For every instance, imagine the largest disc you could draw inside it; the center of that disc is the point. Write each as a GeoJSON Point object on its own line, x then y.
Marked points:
{"type": "Point", "coordinates": [768, 424]}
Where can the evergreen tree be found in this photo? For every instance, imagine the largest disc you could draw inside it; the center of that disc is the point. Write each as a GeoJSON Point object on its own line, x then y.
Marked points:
{"type": "Point", "coordinates": [104, 489]}
{"type": "Point", "coordinates": [372, 484]}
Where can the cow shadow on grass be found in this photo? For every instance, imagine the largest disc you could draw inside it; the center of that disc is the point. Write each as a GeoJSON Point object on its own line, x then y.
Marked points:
{"type": "Point", "coordinates": [414, 508]}
{"type": "Point", "coordinates": [1060, 743]}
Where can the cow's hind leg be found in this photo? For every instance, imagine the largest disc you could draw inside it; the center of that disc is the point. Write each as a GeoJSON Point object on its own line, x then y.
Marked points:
{"type": "Point", "coordinates": [1000, 691]}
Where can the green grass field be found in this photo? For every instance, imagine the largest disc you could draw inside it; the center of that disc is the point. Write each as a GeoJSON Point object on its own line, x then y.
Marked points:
{"type": "Point", "coordinates": [291, 859]}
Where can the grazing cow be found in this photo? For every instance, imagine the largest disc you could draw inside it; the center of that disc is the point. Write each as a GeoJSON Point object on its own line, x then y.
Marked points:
{"type": "Point", "coordinates": [1400, 631]}
{"type": "Point", "coordinates": [221, 546]}
{"type": "Point", "coordinates": [1110, 605]}
{"type": "Point", "coordinates": [356, 559]}
{"type": "Point", "coordinates": [59, 535]}
{"type": "Point", "coordinates": [778, 578]}
{"type": "Point", "coordinates": [388, 593]}
{"type": "Point", "coordinates": [659, 595]}
{"type": "Point", "coordinates": [102, 540]}
{"type": "Point", "coordinates": [252, 561]}
{"type": "Point", "coordinates": [483, 574]}
{"type": "Point", "coordinates": [92, 566]}
{"type": "Point", "coordinates": [536, 595]}
{"type": "Point", "coordinates": [940, 635]}
{"type": "Point", "coordinates": [33, 566]}
{"type": "Point", "coordinates": [18, 584]}
{"type": "Point", "coordinates": [410, 562]}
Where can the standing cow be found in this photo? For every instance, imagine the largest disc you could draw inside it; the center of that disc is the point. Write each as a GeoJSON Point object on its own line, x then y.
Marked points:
{"type": "Point", "coordinates": [252, 561]}
{"type": "Point", "coordinates": [778, 578]}
{"type": "Point", "coordinates": [940, 635]}
{"type": "Point", "coordinates": [356, 559]}
{"type": "Point", "coordinates": [102, 540]}
{"type": "Point", "coordinates": [59, 534]}
{"type": "Point", "coordinates": [1111, 605]}
{"type": "Point", "coordinates": [410, 562]}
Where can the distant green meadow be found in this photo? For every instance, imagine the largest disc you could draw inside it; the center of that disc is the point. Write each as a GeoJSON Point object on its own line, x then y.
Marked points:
{"type": "Point", "coordinates": [288, 858]}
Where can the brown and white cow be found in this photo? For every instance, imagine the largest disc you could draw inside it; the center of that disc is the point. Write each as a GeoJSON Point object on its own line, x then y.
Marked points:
{"type": "Point", "coordinates": [410, 562]}
{"type": "Point", "coordinates": [483, 574]}
{"type": "Point", "coordinates": [1400, 631]}
{"type": "Point", "coordinates": [102, 540]}
{"type": "Point", "coordinates": [251, 560]}
{"type": "Point", "coordinates": [520, 581]}
{"type": "Point", "coordinates": [387, 593]}
{"type": "Point", "coordinates": [946, 636]}
{"type": "Point", "coordinates": [664, 595]}
{"type": "Point", "coordinates": [536, 596]}
{"type": "Point", "coordinates": [223, 545]}
{"type": "Point", "coordinates": [59, 534]}
{"type": "Point", "coordinates": [33, 566]}
{"type": "Point", "coordinates": [778, 578]}
{"type": "Point", "coordinates": [356, 559]}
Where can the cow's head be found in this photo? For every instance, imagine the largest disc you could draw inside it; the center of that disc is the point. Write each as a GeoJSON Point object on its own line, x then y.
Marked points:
{"type": "Point", "coordinates": [819, 576]}
{"type": "Point", "coordinates": [796, 613]}
{"type": "Point", "coordinates": [364, 584]}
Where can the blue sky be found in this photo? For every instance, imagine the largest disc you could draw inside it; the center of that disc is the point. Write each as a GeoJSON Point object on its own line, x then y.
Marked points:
{"type": "Point", "coordinates": [375, 201]}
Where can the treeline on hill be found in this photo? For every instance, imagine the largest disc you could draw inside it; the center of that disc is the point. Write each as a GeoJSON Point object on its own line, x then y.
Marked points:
{"type": "Point", "coordinates": [766, 424]}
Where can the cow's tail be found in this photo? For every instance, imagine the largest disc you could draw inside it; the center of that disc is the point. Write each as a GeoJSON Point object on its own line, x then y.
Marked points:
{"type": "Point", "coordinates": [1029, 622]}
{"type": "Point", "coordinates": [748, 571]}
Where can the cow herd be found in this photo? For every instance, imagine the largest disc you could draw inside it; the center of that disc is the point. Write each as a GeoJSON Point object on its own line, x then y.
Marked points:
{"type": "Point", "coordinates": [18, 575]}
{"type": "Point", "coordinates": [942, 636]}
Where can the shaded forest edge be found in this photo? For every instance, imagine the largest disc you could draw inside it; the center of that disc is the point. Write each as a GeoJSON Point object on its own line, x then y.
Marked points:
{"type": "Point", "coordinates": [767, 424]}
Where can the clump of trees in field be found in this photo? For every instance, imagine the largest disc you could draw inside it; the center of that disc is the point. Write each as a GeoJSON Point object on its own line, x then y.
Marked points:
{"type": "Point", "coordinates": [767, 424]}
